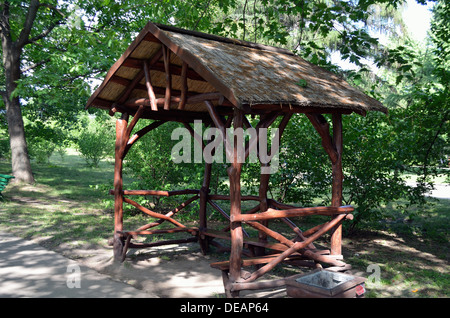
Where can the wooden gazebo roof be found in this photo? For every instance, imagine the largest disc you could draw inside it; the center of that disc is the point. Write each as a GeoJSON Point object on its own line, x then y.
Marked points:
{"type": "Point", "coordinates": [173, 71]}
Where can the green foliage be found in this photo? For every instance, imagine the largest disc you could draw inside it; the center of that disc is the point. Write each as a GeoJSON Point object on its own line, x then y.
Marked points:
{"type": "Point", "coordinates": [44, 138]}
{"type": "Point", "coordinates": [151, 167]}
{"type": "Point", "coordinates": [4, 143]}
{"type": "Point", "coordinates": [415, 135]}
{"type": "Point", "coordinates": [304, 173]}
{"type": "Point", "coordinates": [95, 139]}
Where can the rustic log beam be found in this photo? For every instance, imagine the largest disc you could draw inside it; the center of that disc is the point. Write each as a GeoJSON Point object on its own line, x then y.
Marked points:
{"type": "Point", "coordinates": [219, 209]}
{"type": "Point", "coordinates": [124, 96]}
{"type": "Point", "coordinates": [157, 192]}
{"type": "Point", "coordinates": [139, 135]}
{"type": "Point", "coordinates": [263, 206]}
{"type": "Point", "coordinates": [284, 122]}
{"type": "Point", "coordinates": [217, 120]}
{"type": "Point", "coordinates": [228, 121]}
{"type": "Point", "coordinates": [276, 214]}
{"type": "Point", "coordinates": [169, 214]}
{"type": "Point", "coordinates": [296, 247]}
{"type": "Point", "coordinates": [313, 230]}
{"type": "Point", "coordinates": [161, 243]}
{"type": "Point", "coordinates": [234, 173]}
{"type": "Point", "coordinates": [162, 231]}
{"type": "Point", "coordinates": [297, 231]}
{"type": "Point", "coordinates": [338, 176]}
{"type": "Point", "coordinates": [322, 127]}
{"type": "Point", "coordinates": [174, 115]}
{"type": "Point", "coordinates": [166, 57]}
{"type": "Point", "coordinates": [151, 213]}
{"type": "Point", "coordinates": [322, 258]}
{"type": "Point", "coordinates": [268, 232]}
{"type": "Point", "coordinates": [284, 108]}
{"type": "Point", "coordinates": [159, 66]}
{"type": "Point", "coordinates": [204, 243]}
{"type": "Point", "coordinates": [161, 91]}
{"type": "Point", "coordinates": [133, 123]}
{"type": "Point", "coordinates": [148, 84]}
{"type": "Point", "coordinates": [194, 99]}
{"type": "Point", "coordinates": [201, 98]}
{"type": "Point", "coordinates": [258, 285]}
{"type": "Point", "coordinates": [121, 126]}
{"type": "Point", "coordinates": [125, 248]}
{"type": "Point", "coordinates": [265, 121]}
{"type": "Point", "coordinates": [281, 206]}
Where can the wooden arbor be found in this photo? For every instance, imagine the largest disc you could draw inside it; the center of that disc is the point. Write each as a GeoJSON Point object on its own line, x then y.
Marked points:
{"type": "Point", "coordinates": [170, 74]}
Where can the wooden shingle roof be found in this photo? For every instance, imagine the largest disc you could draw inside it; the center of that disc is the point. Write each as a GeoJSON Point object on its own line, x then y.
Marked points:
{"type": "Point", "coordinates": [196, 67]}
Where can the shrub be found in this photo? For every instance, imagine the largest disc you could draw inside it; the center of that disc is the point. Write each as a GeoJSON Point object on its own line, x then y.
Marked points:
{"type": "Point", "coordinates": [95, 139]}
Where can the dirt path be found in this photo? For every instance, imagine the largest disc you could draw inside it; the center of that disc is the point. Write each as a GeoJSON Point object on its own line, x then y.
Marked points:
{"type": "Point", "coordinates": [173, 271]}
{"type": "Point", "coordinates": [29, 270]}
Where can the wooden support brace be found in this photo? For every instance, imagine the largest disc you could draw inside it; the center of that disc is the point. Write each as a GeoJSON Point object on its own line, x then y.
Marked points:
{"type": "Point", "coordinates": [296, 247]}
{"type": "Point", "coordinates": [148, 84]}
{"type": "Point", "coordinates": [139, 135]}
{"type": "Point", "coordinates": [169, 214]}
{"type": "Point", "coordinates": [133, 123]}
{"type": "Point", "coordinates": [192, 230]}
{"type": "Point", "coordinates": [151, 213]}
{"type": "Point", "coordinates": [125, 95]}
{"type": "Point", "coordinates": [217, 120]}
{"type": "Point", "coordinates": [321, 125]}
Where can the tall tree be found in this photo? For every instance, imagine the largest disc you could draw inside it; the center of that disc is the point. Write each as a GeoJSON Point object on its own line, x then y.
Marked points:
{"type": "Point", "coordinates": [52, 48]}
{"type": "Point", "coordinates": [35, 20]}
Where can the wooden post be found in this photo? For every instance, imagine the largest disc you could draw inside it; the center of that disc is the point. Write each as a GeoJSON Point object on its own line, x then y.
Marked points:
{"type": "Point", "coordinates": [333, 147]}
{"type": "Point", "coordinates": [336, 198]}
{"type": "Point", "coordinates": [121, 130]}
{"type": "Point", "coordinates": [234, 173]}
{"type": "Point", "coordinates": [203, 203]}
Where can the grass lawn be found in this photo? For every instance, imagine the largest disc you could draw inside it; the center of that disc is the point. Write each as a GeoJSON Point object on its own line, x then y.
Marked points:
{"type": "Point", "coordinates": [405, 255]}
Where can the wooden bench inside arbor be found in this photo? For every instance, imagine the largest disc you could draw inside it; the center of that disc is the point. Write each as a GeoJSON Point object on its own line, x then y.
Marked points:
{"type": "Point", "coordinates": [174, 75]}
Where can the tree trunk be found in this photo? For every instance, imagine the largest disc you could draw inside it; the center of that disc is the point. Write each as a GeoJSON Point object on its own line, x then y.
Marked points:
{"type": "Point", "coordinates": [20, 161]}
